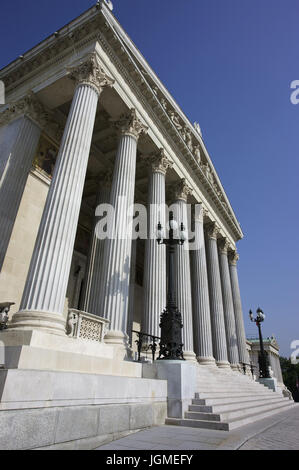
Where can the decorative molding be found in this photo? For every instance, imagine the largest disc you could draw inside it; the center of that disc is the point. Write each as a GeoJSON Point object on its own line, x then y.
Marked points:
{"type": "Point", "coordinates": [224, 245]}
{"type": "Point", "coordinates": [182, 190]}
{"type": "Point", "coordinates": [212, 230]}
{"type": "Point", "coordinates": [233, 258]}
{"type": "Point", "coordinates": [158, 162]}
{"type": "Point", "coordinates": [129, 124]}
{"type": "Point", "coordinates": [90, 73]}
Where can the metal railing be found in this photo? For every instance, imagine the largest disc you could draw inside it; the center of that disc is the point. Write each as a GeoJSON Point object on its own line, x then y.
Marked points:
{"type": "Point", "coordinates": [145, 346]}
{"type": "Point", "coordinates": [252, 367]}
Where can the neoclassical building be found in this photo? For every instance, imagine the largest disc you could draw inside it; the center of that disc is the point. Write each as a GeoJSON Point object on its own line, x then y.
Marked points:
{"type": "Point", "coordinates": [87, 122]}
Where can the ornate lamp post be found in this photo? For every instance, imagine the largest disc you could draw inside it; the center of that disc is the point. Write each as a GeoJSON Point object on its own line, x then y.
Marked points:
{"type": "Point", "coordinates": [263, 361]}
{"type": "Point", "coordinates": [171, 325]}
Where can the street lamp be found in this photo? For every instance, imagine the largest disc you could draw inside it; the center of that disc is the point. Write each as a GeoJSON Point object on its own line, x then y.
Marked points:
{"type": "Point", "coordinates": [171, 325]}
{"type": "Point", "coordinates": [263, 360]}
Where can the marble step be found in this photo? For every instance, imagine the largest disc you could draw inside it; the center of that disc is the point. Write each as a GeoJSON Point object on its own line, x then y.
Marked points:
{"type": "Point", "coordinates": [238, 412]}
{"type": "Point", "coordinates": [211, 395]}
{"type": "Point", "coordinates": [227, 400]}
{"type": "Point", "coordinates": [231, 406]}
{"type": "Point", "coordinates": [227, 426]}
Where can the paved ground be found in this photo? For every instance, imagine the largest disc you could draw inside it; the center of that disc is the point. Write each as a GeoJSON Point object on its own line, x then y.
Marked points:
{"type": "Point", "coordinates": [279, 432]}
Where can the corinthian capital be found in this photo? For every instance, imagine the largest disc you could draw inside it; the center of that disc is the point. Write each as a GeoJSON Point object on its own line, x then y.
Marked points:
{"type": "Point", "coordinates": [129, 124]}
{"type": "Point", "coordinates": [90, 73]}
{"type": "Point", "coordinates": [182, 190]}
{"type": "Point", "coordinates": [212, 230]}
{"type": "Point", "coordinates": [224, 245]}
{"type": "Point", "coordinates": [158, 161]}
{"type": "Point", "coordinates": [233, 257]}
{"type": "Point", "coordinates": [29, 106]}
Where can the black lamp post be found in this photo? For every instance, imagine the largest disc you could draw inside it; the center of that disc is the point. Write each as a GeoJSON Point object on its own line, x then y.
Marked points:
{"type": "Point", "coordinates": [171, 325]}
{"type": "Point", "coordinates": [263, 360]}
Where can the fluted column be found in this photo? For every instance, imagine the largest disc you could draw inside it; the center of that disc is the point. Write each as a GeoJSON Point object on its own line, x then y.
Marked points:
{"type": "Point", "coordinates": [216, 304]}
{"type": "Point", "coordinates": [240, 329]}
{"type": "Point", "coordinates": [131, 306]}
{"type": "Point", "coordinates": [45, 289]}
{"type": "Point", "coordinates": [182, 271]}
{"type": "Point", "coordinates": [155, 255]}
{"type": "Point", "coordinates": [18, 143]}
{"type": "Point", "coordinates": [117, 252]}
{"type": "Point", "coordinates": [201, 304]}
{"type": "Point", "coordinates": [228, 306]}
{"type": "Point", "coordinates": [91, 294]}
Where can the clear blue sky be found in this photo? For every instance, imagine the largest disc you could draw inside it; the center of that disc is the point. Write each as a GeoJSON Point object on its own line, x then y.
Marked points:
{"type": "Point", "coordinates": [229, 65]}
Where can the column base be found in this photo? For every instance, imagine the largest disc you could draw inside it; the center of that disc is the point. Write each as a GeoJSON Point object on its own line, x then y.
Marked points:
{"type": "Point", "coordinates": [189, 356]}
{"type": "Point", "coordinates": [209, 361]}
{"type": "Point", "coordinates": [53, 323]}
{"type": "Point", "coordinates": [223, 364]}
{"type": "Point", "coordinates": [120, 342]}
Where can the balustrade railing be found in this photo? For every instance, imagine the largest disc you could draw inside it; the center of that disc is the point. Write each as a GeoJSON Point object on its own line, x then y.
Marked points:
{"type": "Point", "coordinates": [144, 346]}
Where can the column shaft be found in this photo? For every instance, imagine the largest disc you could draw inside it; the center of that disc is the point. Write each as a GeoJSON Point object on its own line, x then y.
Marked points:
{"type": "Point", "coordinates": [91, 295]}
{"type": "Point", "coordinates": [240, 329]}
{"type": "Point", "coordinates": [201, 306]}
{"type": "Point", "coordinates": [18, 144]}
{"type": "Point", "coordinates": [46, 284]}
{"type": "Point", "coordinates": [228, 306]}
{"type": "Point", "coordinates": [117, 252]}
{"type": "Point", "coordinates": [216, 304]}
{"type": "Point", "coordinates": [155, 258]}
{"type": "Point", "coordinates": [183, 283]}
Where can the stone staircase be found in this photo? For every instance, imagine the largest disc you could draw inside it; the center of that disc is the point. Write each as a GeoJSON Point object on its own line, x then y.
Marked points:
{"type": "Point", "coordinates": [226, 400]}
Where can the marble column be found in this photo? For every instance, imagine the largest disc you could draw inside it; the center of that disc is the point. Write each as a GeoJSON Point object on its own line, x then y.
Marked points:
{"type": "Point", "coordinates": [19, 139]}
{"type": "Point", "coordinates": [182, 271]}
{"type": "Point", "coordinates": [216, 303]}
{"type": "Point", "coordinates": [91, 294]}
{"type": "Point", "coordinates": [240, 329]}
{"type": "Point", "coordinates": [155, 255]}
{"type": "Point", "coordinates": [117, 252]}
{"type": "Point", "coordinates": [131, 307]}
{"type": "Point", "coordinates": [45, 289]}
{"type": "Point", "coordinates": [228, 306]}
{"type": "Point", "coordinates": [201, 304]}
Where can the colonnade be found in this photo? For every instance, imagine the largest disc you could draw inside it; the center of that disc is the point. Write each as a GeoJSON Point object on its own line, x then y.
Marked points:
{"type": "Point", "coordinates": [207, 286]}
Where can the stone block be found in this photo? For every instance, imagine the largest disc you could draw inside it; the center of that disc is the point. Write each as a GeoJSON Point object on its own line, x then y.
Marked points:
{"type": "Point", "coordinates": [76, 423]}
{"type": "Point", "coordinates": [27, 429]}
{"type": "Point", "coordinates": [113, 418]}
{"type": "Point", "coordinates": [141, 416]}
{"type": "Point", "coordinates": [160, 413]}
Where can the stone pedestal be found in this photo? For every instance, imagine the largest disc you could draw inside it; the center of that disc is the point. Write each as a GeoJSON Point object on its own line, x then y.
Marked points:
{"type": "Point", "coordinates": [181, 383]}
{"type": "Point", "coordinates": [270, 383]}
